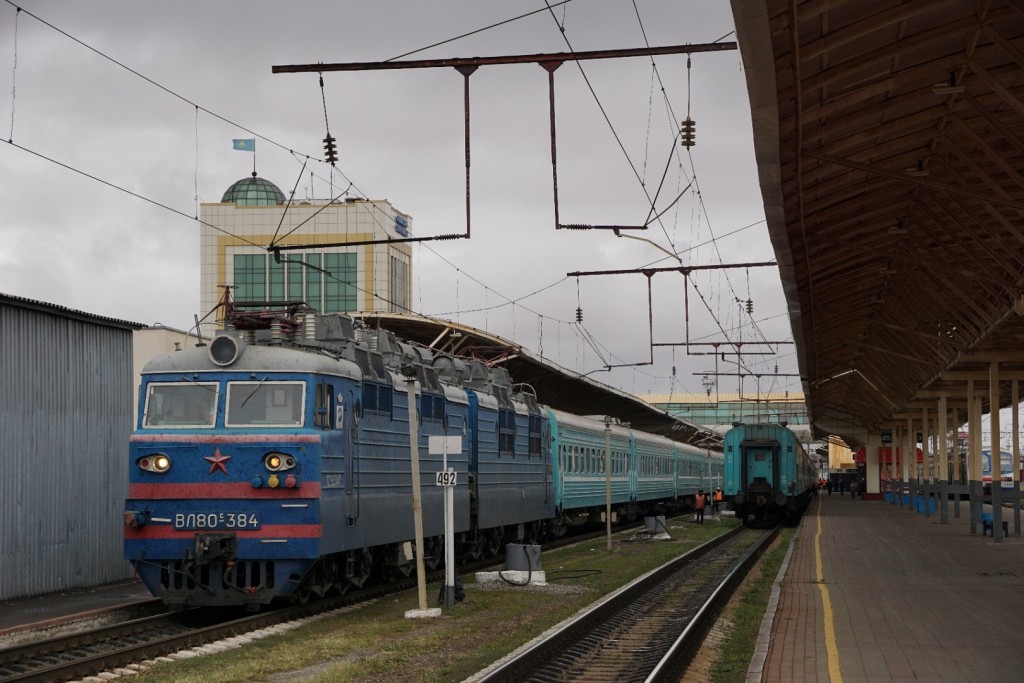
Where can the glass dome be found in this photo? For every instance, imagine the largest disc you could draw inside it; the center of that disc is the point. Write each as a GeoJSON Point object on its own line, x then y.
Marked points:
{"type": "Point", "coordinates": [253, 191]}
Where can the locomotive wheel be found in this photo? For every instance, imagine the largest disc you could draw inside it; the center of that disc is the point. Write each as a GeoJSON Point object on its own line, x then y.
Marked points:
{"type": "Point", "coordinates": [362, 565]}
{"type": "Point", "coordinates": [433, 552]}
{"type": "Point", "coordinates": [493, 541]}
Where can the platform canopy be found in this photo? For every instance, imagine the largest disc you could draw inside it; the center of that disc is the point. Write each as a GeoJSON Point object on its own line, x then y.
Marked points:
{"type": "Point", "coordinates": [555, 386]}
{"type": "Point", "coordinates": [889, 139]}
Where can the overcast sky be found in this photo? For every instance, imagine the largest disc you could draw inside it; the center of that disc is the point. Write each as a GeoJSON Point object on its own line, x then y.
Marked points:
{"type": "Point", "coordinates": [68, 93]}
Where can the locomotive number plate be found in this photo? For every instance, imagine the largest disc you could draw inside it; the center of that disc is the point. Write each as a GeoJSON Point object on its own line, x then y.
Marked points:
{"type": "Point", "coordinates": [216, 520]}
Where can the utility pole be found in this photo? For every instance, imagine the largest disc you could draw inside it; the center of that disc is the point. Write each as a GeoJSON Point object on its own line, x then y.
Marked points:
{"type": "Point", "coordinates": [417, 500]}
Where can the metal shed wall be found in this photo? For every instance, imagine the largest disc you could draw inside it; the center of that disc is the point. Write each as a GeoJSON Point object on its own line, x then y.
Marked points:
{"type": "Point", "coordinates": [65, 418]}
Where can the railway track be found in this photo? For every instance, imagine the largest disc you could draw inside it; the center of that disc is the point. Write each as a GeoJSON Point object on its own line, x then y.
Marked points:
{"type": "Point", "coordinates": [119, 645]}
{"type": "Point", "coordinates": [649, 630]}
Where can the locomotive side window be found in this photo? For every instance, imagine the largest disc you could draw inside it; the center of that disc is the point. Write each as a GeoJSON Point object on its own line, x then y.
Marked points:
{"type": "Point", "coordinates": [322, 411]}
{"type": "Point", "coordinates": [506, 432]}
{"type": "Point", "coordinates": [377, 398]}
{"type": "Point", "coordinates": [181, 404]}
{"type": "Point", "coordinates": [265, 404]}
{"type": "Point", "coordinates": [432, 407]}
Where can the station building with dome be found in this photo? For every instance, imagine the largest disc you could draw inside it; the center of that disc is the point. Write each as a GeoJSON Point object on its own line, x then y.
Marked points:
{"type": "Point", "coordinates": [254, 213]}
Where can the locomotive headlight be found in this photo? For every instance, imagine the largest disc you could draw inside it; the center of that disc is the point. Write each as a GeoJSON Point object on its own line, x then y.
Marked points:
{"type": "Point", "coordinates": [157, 462]}
{"type": "Point", "coordinates": [278, 462]}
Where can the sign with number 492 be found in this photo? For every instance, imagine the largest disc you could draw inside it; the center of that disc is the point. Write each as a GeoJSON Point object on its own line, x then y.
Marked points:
{"type": "Point", "coordinates": [448, 478]}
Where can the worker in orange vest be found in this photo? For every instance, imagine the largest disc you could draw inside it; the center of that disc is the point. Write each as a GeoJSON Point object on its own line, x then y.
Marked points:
{"type": "Point", "coordinates": [699, 501]}
{"type": "Point", "coordinates": [719, 499]}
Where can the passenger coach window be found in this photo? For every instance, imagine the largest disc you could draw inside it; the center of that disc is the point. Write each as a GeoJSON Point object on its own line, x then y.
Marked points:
{"type": "Point", "coordinates": [265, 404]}
{"type": "Point", "coordinates": [191, 404]}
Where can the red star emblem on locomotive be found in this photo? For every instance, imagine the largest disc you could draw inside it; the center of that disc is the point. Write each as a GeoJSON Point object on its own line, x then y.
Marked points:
{"type": "Point", "coordinates": [217, 461]}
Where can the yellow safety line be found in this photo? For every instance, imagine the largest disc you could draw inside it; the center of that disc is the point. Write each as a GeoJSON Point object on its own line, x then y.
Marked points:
{"type": "Point", "coordinates": [835, 675]}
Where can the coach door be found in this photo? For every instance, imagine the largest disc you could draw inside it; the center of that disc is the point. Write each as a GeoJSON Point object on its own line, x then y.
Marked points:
{"type": "Point", "coordinates": [761, 464]}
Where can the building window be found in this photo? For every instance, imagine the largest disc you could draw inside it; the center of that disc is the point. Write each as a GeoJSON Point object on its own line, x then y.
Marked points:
{"type": "Point", "coordinates": [275, 270]}
{"type": "Point", "coordinates": [314, 282]}
{"type": "Point", "coordinates": [258, 278]}
{"type": "Point", "coordinates": [250, 277]}
{"type": "Point", "coordinates": [399, 285]}
{"type": "Point", "coordinates": [295, 271]}
{"type": "Point", "coordinates": [340, 286]}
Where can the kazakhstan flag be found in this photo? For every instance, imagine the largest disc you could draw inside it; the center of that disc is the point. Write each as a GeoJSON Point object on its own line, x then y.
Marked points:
{"type": "Point", "coordinates": [246, 145]}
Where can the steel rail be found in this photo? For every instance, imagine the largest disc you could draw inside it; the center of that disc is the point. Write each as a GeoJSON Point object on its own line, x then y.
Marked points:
{"type": "Point", "coordinates": [562, 649]}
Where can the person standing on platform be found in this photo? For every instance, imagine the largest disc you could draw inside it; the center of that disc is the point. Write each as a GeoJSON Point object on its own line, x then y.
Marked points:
{"type": "Point", "coordinates": [853, 488]}
{"type": "Point", "coordinates": [719, 499]}
{"type": "Point", "coordinates": [699, 501]}
{"type": "Point", "coordinates": [829, 485]}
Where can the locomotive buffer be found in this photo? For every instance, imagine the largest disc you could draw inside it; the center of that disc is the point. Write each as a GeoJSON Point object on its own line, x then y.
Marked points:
{"type": "Point", "coordinates": [440, 445]}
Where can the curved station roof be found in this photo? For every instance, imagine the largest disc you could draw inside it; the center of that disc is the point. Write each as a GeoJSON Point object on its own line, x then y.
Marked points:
{"type": "Point", "coordinates": [890, 145]}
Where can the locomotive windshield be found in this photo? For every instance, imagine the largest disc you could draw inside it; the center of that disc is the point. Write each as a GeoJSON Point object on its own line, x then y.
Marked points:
{"type": "Point", "coordinates": [265, 404]}
{"type": "Point", "coordinates": [181, 404]}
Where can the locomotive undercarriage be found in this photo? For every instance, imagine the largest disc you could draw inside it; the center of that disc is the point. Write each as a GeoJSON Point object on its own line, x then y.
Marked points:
{"type": "Point", "coordinates": [352, 569]}
{"type": "Point", "coordinates": [210, 574]}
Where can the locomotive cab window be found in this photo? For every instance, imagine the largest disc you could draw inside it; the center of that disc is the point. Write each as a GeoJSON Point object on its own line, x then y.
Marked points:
{"type": "Point", "coordinates": [265, 404]}
{"type": "Point", "coordinates": [181, 404]}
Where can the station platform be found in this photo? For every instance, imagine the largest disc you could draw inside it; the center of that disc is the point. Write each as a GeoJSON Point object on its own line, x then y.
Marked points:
{"type": "Point", "coordinates": [40, 610]}
{"type": "Point", "coordinates": [874, 592]}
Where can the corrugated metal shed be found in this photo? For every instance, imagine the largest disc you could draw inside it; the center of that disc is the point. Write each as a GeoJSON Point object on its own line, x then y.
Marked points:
{"type": "Point", "coordinates": [65, 417]}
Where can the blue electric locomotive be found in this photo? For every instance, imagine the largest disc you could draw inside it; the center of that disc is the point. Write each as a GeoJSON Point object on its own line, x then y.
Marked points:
{"type": "Point", "coordinates": [769, 477]}
{"type": "Point", "coordinates": [275, 462]}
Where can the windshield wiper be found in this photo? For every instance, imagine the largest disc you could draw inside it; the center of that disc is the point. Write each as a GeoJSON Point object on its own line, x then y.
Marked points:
{"type": "Point", "coordinates": [212, 389]}
{"type": "Point", "coordinates": [253, 392]}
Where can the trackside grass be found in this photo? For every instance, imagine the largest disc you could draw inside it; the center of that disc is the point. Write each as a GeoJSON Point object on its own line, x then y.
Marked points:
{"type": "Point", "coordinates": [734, 655]}
{"type": "Point", "coordinates": [376, 643]}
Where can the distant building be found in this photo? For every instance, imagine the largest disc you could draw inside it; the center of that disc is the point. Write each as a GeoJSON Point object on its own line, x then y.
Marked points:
{"type": "Point", "coordinates": [718, 412]}
{"type": "Point", "coordinates": [253, 214]}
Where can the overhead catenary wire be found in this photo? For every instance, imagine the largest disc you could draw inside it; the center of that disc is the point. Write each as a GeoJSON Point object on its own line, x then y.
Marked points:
{"type": "Point", "coordinates": [147, 78]}
{"type": "Point", "coordinates": [604, 113]}
{"type": "Point", "coordinates": [14, 75]}
{"type": "Point", "coordinates": [197, 108]}
{"type": "Point", "coordinates": [128, 192]}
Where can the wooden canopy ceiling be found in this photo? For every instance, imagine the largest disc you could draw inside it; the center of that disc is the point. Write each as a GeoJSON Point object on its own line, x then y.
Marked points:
{"type": "Point", "coordinates": [889, 138]}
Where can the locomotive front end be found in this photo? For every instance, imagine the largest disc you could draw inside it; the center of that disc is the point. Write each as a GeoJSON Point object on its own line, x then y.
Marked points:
{"type": "Point", "coordinates": [223, 501]}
